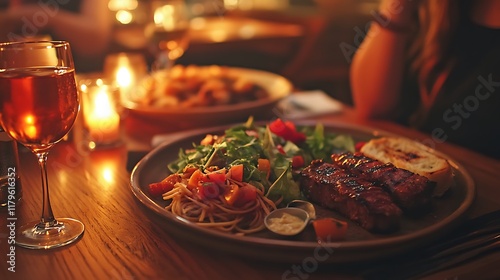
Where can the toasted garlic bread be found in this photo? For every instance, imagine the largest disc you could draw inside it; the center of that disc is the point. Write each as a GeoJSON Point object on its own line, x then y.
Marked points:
{"type": "Point", "coordinates": [412, 156]}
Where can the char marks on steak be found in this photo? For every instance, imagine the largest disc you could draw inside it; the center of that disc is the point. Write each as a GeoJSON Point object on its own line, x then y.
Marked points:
{"type": "Point", "coordinates": [361, 201]}
{"type": "Point", "coordinates": [410, 191]}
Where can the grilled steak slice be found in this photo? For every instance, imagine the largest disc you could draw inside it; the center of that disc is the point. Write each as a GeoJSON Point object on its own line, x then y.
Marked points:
{"type": "Point", "coordinates": [410, 191]}
{"type": "Point", "coordinates": [361, 201]}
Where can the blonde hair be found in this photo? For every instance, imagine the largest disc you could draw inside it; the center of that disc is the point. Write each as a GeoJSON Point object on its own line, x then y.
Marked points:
{"type": "Point", "coordinates": [430, 58]}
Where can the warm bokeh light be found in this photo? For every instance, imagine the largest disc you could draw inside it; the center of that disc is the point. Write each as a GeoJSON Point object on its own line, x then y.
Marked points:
{"type": "Point", "coordinates": [255, 4]}
{"type": "Point", "coordinates": [62, 178]}
{"type": "Point", "coordinates": [230, 4]}
{"type": "Point", "coordinates": [103, 106]}
{"type": "Point", "coordinates": [124, 76]}
{"type": "Point", "coordinates": [100, 114]}
{"type": "Point", "coordinates": [107, 173]}
{"type": "Point", "coordinates": [99, 82]}
{"type": "Point", "coordinates": [30, 128]}
{"type": "Point", "coordinates": [124, 17]}
{"type": "Point", "coordinates": [164, 17]}
{"type": "Point", "coordinates": [83, 88]}
{"type": "Point", "coordinates": [218, 35]}
{"type": "Point", "coordinates": [29, 119]}
{"type": "Point", "coordinates": [247, 31]}
{"type": "Point", "coordinates": [198, 23]}
{"type": "Point", "coordinates": [116, 5]}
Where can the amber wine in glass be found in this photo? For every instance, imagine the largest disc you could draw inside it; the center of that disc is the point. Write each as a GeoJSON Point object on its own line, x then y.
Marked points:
{"type": "Point", "coordinates": [39, 103]}
{"type": "Point", "coordinates": [167, 31]}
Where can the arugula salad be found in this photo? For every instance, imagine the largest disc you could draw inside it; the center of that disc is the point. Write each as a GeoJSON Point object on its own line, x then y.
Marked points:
{"type": "Point", "coordinates": [268, 155]}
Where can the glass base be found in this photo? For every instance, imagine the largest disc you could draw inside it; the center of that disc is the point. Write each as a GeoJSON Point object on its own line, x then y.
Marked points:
{"type": "Point", "coordinates": [64, 232]}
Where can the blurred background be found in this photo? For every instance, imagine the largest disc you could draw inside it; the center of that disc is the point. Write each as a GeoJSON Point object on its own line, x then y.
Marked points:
{"type": "Point", "coordinates": [310, 42]}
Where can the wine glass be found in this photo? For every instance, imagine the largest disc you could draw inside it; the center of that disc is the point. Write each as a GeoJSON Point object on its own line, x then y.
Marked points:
{"type": "Point", "coordinates": [167, 32]}
{"type": "Point", "coordinates": [39, 103]}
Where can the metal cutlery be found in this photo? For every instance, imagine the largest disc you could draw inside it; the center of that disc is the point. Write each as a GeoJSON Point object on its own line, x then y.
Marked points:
{"type": "Point", "coordinates": [475, 238]}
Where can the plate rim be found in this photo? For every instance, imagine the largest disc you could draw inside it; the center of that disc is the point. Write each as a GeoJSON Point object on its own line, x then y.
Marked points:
{"type": "Point", "coordinates": [449, 221]}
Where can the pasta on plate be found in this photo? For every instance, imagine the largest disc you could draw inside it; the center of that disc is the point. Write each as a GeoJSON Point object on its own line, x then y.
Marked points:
{"type": "Point", "coordinates": [196, 86]}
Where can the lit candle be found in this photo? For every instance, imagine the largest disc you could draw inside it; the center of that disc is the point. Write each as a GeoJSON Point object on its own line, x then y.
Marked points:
{"type": "Point", "coordinates": [101, 116]}
{"type": "Point", "coordinates": [125, 70]}
{"type": "Point", "coordinates": [125, 79]}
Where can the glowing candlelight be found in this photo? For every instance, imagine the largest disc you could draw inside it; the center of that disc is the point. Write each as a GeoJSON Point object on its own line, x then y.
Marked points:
{"type": "Point", "coordinates": [103, 120]}
{"type": "Point", "coordinates": [124, 77]}
{"type": "Point", "coordinates": [126, 70]}
{"type": "Point", "coordinates": [31, 129]}
{"type": "Point", "coordinates": [101, 115]}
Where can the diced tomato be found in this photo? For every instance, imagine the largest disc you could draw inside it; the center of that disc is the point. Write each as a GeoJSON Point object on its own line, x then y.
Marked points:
{"type": "Point", "coordinates": [208, 189]}
{"type": "Point", "coordinates": [188, 171]}
{"type": "Point", "coordinates": [264, 165]}
{"type": "Point", "coordinates": [246, 194]}
{"type": "Point", "coordinates": [359, 145]}
{"type": "Point", "coordinates": [239, 196]}
{"type": "Point", "coordinates": [218, 177]}
{"type": "Point", "coordinates": [328, 229]}
{"type": "Point", "coordinates": [297, 137]}
{"type": "Point", "coordinates": [165, 185]}
{"type": "Point", "coordinates": [278, 127]}
{"type": "Point", "coordinates": [208, 140]}
{"type": "Point", "coordinates": [159, 188]}
{"type": "Point", "coordinates": [231, 194]}
{"type": "Point", "coordinates": [236, 172]}
{"type": "Point", "coordinates": [194, 179]}
{"type": "Point", "coordinates": [298, 161]}
{"type": "Point", "coordinates": [287, 131]}
{"type": "Point", "coordinates": [280, 149]}
{"type": "Point", "coordinates": [172, 178]}
{"type": "Point", "coordinates": [290, 125]}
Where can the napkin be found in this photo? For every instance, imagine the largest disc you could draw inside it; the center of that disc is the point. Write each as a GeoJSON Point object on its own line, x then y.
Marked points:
{"type": "Point", "coordinates": [308, 104]}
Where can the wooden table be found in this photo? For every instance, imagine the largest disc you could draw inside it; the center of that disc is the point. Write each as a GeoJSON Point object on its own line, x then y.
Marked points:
{"type": "Point", "coordinates": [123, 240]}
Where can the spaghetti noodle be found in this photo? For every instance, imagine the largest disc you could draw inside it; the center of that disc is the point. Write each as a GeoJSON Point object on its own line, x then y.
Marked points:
{"type": "Point", "coordinates": [217, 212]}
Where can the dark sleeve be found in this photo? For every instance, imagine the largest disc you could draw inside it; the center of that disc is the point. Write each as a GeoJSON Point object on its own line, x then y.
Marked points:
{"type": "Point", "coordinates": [467, 112]}
{"type": "Point", "coordinates": [410, 99]}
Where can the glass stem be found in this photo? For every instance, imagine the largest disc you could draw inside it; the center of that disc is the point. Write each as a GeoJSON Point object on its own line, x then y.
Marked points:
{"type": "Point", "coordinates": [47, 219]}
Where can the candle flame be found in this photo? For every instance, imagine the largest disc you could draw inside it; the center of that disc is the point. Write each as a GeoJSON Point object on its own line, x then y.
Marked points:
{"type": "Point", "coordinates": [103, 107]}
{"type": "Point", "coordinates": [101, 117]}
{"type": "Point", "coordinates": [124, 76]}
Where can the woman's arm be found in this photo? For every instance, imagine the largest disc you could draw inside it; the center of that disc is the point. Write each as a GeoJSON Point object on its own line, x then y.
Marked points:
{"type": "Point", "coordinates": [88, 31]}
{"type": "Point", "coordinates": [378, 66]}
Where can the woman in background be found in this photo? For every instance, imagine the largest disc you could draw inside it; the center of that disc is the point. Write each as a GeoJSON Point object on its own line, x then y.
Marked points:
{"type": "Point", "coordinates": [434, 65]}
{"type": "Point", "coordinates": [84, 23]}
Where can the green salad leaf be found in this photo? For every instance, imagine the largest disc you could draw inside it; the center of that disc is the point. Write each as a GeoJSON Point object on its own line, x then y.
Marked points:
{"type": "Point", "coordinates": [247, 143]}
